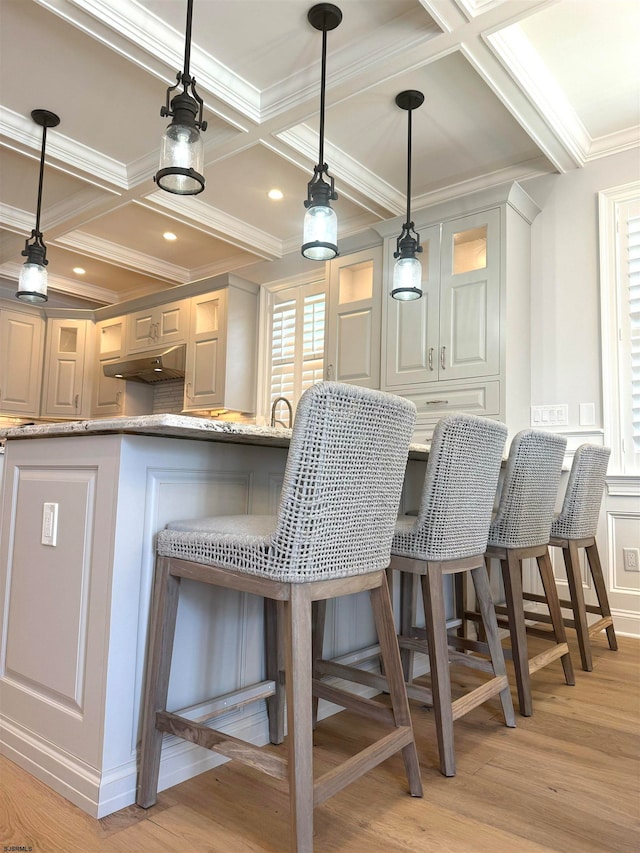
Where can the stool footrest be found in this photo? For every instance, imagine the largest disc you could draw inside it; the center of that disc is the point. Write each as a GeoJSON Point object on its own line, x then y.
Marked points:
{"type": "Point", "coordinates": [353, 768]}
{"type": "Point", "coordinates": [476, 697]}
{"type": "Point", "coordinates": [600, 625]}
{"type": "Point", "coordinates": [359, 704]}
{"type": "Point", "coordinates": [538, 661]}
{"type": "Point", "coordinates": [204, 711]}
{"type": "Point", "coordinates": [225, 744]}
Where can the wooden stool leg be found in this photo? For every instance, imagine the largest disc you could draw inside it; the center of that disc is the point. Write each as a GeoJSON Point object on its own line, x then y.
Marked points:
{"type": "Point", "coordinates": [300, 732]}
{"type": "Point", "coordinates": [574, 579]}
{"type": "Point", "coordinates": [433, 595]}
{"type": "Point", "coordinates": [274, 642]}
{"type": "Point", "coordinates": [601, 591]}
{"type": "Point", "coordinates": [486, 607]}
{"type": "Point", "coordinates": [555, 612]}
{"type": "Point", "coordinates": [512, 580]}
{"type": "Point", "coordinates": [318, 618]}
{"type": "Point", "coordinates": [460, 597]}
{"type": "Point", "coordinates": [385, 626]}
{"type": "Point", "coordinates": [407, 620]}
{"type": "Point", "coordinates": [164, 609]}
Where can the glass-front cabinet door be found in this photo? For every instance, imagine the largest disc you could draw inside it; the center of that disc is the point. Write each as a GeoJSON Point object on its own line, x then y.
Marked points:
{"type": "Point", "coordinates": [353, 339]}
{"type": "Point", "coordinates": [470, 297]}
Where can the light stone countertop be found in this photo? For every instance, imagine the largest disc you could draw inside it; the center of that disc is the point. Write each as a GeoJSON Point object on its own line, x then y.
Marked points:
{"type": "Point", "coordinates": [170, 426]}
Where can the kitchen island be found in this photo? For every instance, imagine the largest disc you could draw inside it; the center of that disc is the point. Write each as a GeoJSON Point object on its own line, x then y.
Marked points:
{"type": "Point", "coordinates": [81, 505]}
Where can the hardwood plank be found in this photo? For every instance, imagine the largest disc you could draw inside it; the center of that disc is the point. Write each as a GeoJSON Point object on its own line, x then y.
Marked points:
{"type": "Point", "coordinates": [566, 779]}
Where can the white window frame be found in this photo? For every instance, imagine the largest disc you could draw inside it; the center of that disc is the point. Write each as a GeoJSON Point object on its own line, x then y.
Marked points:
{"type": "Point", "coordinates": [623, 459]}
{"type": "Point", "coordinates": [267, 300]}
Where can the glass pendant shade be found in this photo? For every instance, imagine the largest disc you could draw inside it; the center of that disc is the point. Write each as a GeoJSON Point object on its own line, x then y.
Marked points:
{"type": "Point", "coordinates": [407, 279]}
{"type": "Point", "coordinates": [320, 233]}
{"type": "Point", "coordinates": [181, 160]}
{"type": "Point", "coordinates": [32, 284]}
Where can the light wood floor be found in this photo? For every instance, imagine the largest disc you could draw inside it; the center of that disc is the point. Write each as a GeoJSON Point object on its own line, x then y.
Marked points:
{"type": "Point", "coordinates": [566, 780]}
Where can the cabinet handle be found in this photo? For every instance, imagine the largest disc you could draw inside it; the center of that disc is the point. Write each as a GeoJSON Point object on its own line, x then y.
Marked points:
{"type": "Point", "coordinates": [329, 371]}
{"type": "Point", "coordinates": [190, 390]}
{"type": "Point", "coordinates": [442, 358]}
{"type": "Point", "coordinates": [433, 402]}
{"type": "Point", "coordinates": [430, 358]}
{"type": "Point", "coordinates": [118, 398]}
{"type": "Point", "coordinates": [76, 400]}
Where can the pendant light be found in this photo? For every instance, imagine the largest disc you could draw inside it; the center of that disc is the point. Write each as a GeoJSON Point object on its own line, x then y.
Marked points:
{"type": "Point", "coordinates": [407, 272]}
{"type": "Point", "coordinates": [182, 151]}
{"type": "Point", "coordinates": [320, 232]}
{"type": "Point", "coordinates": [32, 285]}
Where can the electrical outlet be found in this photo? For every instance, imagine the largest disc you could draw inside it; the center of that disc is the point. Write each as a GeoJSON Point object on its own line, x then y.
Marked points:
{"type": "Point", "coordinates": [49, 524]}
{"type": "Point", "coordinates": [631, 559]}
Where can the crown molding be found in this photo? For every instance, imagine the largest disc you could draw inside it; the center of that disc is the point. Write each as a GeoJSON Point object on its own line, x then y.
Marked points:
{"type": "Point", "coordinates": [357, 60]}
{"type": "Point", "coordinates": [524, 64]}
{"type": "Point", "coordinates": [113, 253]}
{"type": "Point", "coordinates": [614, 143]}
{"type": "Point", "coordinates": [15, 219]}
{"type": "Point", "coordinates": [369, 186]}
{"type": "Point", "coordinates": [153, 45]}
{"type": "Point", "coordinates": [61, 284]}
{"type": "Point", "coordinates": [83, 162]}
{"type": "Point", "coordinates": [199, 214]}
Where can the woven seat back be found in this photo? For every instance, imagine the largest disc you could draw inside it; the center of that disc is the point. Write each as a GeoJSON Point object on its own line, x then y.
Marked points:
{"type": "Point", "coordinates": [342, 483]}
{"type": "Point", "coordinates": [459, 490]}
{"type": "Point", "coordinates": [529, 490]}
{"type": "Point", "coordinates": [578, 518]}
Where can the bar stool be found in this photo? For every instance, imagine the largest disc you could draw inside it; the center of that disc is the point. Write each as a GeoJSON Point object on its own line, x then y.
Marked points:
{"type": "Point", "coordinates": [519, 531]}
{"type": "Point", "coordinates": [448, 537]}
{"type": "Point", "coordinates": [331, 537]}
{"type": "Point", "coordinates": [575, 528]}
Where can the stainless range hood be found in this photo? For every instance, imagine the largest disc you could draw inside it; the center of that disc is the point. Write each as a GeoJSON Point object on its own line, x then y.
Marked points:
{"type": "Point", "coordinates": [151, 366]}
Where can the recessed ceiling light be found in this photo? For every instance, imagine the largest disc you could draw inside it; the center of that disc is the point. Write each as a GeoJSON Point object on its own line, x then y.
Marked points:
{"type": "Point", "coordinates": [276, 195]}
{"type": "Point", "coordinates": [79, 271]}
{"type": "Point", "coordinates": [169, 235]}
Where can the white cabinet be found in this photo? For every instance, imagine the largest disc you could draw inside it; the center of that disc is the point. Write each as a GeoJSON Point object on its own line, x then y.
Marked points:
{"type": "Point", "coordinates": [453, 331]}
{"type": "Point", "coordinates": [354, 317]}
{"type": "Point", "coordinates": [464, 346]}
{"type": "Point", "coordinates": [159, 326]}
{"type": "Point", "coordinates": [115, 396]}
{"type": "Point", "coordinates": [221, 351]}
{"type": "Point", "coordinates": [64, 376]}
{"type": "Point", "coordinates": [21, 355]}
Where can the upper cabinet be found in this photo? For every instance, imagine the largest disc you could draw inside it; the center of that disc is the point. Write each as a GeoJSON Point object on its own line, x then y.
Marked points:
{"type": "Point", "coordinates": [464, 346]}
{"type": "Point", "coordinates": [353, 328]}
{"type": "Point", "coordinates": [220, 371]}
{"type": "Point", "coordinates": [68, 345]}
{"type": "Point", "coordinates": [115, 396]}
{"type": "Point", "coordinates": [160, 326]}
{"type": "Point", "coordinates": [453, 331]}
{"type": "Point", "coordinates": [21, 356]}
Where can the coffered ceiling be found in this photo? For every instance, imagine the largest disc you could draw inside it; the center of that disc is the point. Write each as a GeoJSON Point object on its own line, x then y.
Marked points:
{"type": "Point", "coordinates": [513, 89]}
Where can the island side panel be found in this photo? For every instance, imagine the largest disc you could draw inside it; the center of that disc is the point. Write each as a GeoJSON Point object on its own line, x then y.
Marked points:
{"type": "Point", "coordinates": [55, 603]}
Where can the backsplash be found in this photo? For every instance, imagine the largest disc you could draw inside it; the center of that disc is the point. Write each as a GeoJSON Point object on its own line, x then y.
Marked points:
{"type": "Point", "coordinates": [168, 397]}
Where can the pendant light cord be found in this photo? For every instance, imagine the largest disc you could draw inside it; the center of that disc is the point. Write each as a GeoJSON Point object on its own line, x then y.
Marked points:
{"type": "Point", "coordinates": [409, 171]}
{"type": "Point", "coordinates": [187, 44]}
{"type": "Point", "coordinates": [323, 80]}
{"type": "Point", "coordinates": [44, 142]}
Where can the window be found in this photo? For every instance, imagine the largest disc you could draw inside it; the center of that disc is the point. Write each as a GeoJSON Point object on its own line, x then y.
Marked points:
{"type": "Point", "coordinates": [620, 287]}
{"type": "Point", "coordinates": [296, 340]}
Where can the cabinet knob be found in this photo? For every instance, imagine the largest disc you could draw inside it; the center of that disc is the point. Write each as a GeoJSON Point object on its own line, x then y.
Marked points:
{"type": "Point", "coordinates": [442, 358]}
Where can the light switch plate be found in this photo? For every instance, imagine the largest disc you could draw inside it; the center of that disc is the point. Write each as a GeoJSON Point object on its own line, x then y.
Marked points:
{"type": "Point", "coordinates": [548, 416]}
{"type": "Point", "coordinates": [49, 524]}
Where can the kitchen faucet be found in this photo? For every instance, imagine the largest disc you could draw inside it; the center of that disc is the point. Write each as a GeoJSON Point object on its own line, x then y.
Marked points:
{"type": "Point", "coordinates": [273, 412]}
